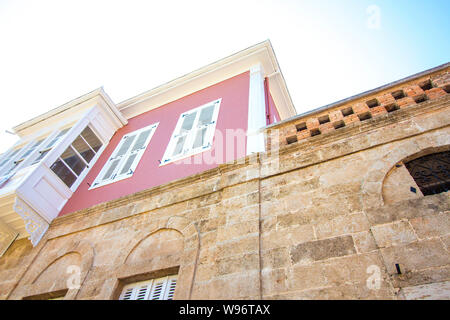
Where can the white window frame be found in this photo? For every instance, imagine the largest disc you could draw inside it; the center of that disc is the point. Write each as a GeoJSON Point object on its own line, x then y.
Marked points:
{"type": "Point", "coordinates": [79, 177]}
{"type": "Point", "coordinates": [122, 160]}
{"type": "Point", "coordinates": [154, 289]}
{"type": "Point", "coordinates": [46, 146]}
{"type": "Point", "coordinates": [17, 159]}
{"type": "Point", "coordinates": [188, 149]}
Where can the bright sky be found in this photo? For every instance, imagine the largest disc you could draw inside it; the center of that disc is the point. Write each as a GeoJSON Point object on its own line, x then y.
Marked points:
{"type": "Point", "coordinates": [54, 51]}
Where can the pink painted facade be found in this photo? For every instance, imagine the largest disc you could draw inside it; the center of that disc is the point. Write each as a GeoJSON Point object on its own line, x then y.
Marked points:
{"type": "Point", "coordinates": [233, 114]}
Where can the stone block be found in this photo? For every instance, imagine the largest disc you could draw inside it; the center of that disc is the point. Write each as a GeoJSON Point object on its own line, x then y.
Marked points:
{"type": "Point", "coordinates": [393, 234]}
{"type": "Point", "coordinates": [416, 256]}
{"type": "Point", "coordinates": [305, 253]}
{"type": "Point", "coordinates": [434, 225]}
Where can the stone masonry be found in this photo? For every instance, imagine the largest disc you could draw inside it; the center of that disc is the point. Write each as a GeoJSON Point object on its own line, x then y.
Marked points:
{"type": "Point", "coordinates": [327, 215]}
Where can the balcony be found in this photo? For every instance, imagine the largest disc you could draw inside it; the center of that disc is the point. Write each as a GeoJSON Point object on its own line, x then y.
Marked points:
{"type": "Point", "coordinates": [42, 171]}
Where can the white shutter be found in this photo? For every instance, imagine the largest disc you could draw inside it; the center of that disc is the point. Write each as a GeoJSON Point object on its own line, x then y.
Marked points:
{"type": "Point", "coordinates": [159, 286]}
{"type": "Point", "coordinates": [193, 133]}
{"type": "Point", "coordinates": [155, 289]}
{"type": "Point", "coordinates": [137, 291]}
{"type": "Point", "coordinates": [170, 288]}
{"type": "Point", "coordinates": [126, 156]}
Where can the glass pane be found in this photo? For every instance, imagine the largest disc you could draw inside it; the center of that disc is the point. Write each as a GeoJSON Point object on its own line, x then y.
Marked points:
{"type": "Point", "coordinates": [188, 121]}
{"type": "Point", "coordinates": [199, 138]}
{"type": "Point", "coordinates": [31, 149]}
{"type": "Point", "coordinates": [73, 161]}
{"type": "Point", "coordinates": [53, 142]}
{"type": "Point", "coordinates": [179, 146]}
{"type": "Point", "coordinates": [125, 146]}
{"type": "Point", "coordinates": [9, 157]}
{"type": "Point", "coordinates": [83, 149]}
{"type": "Point", "coordinates": [63, 173]}
{"type": "Point", "coordinates": [128, 164]}
{"type": "Point", "coordinates": [92, 139]}
{"type": "Point", "coordinates": [206, 115]}
{"type": "Point", "coordinates": [41, 156]}
{"type": "Point", "coordinates": [111, 169]}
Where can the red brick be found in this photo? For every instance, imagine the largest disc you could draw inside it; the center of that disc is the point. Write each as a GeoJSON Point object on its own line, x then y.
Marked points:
{"type": "Point", "coordinates": [351, 118]}
{"type": "Point", "coordinates": [413, 90]}
{"type": "Point", "coordinates": [312, 123]}
{"type": "Point", "coordinates": [386, 99]}
{"type": "Point", "coordinates": [336, 115]}
{"type": "Point", "coordinates": [405, 102]}
{"type": "Point", "coordinates": [360, 108]}
{"type": "Point", "coordinates": [303, 134]}
{"type": "Point", "coordinates": [288, 130]}
{"type": "Point", "coordinates": [378, 111]}
{"type": "Point", "coordinates": [435, 93]}
{"type": "Point", "coordinates": [326, 127]}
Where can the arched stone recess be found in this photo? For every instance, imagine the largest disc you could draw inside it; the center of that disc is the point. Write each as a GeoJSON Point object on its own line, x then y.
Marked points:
{"type": "Point", "coordinates": [63, 271]}
{"type": "Point", "coordinates": [172, 247]}
{"type": "Point", "coordinates": [379, 172]}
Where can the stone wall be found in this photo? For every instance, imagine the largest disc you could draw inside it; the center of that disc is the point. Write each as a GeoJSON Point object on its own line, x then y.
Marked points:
{"type": "Point", "coordinates": [327, 217]}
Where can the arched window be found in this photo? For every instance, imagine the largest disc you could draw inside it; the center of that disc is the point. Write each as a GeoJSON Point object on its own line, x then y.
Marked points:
{"type": "Point", "coordinates": [431, 172]}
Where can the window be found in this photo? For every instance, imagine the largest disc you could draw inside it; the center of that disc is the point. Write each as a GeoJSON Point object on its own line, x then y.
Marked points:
{"type": "Point", "coordinates": [50, 145]}
{"type": "Point", "coordinates": [193, 133]}
{"type": "Point", "coordinates": [126, 156]}
{"type": "Point", "coordinates": [5, 165]}
{"type": "Point", "coordinates": [11, 163]}
{"type": "Point", "coordinates": [30, 150]}
{"type": "Point", "coordinates": [155, 289]}
{"type": "Point", "coordinates": [431, 172]}
{"type": "Point", "coordinates": [77, 157]}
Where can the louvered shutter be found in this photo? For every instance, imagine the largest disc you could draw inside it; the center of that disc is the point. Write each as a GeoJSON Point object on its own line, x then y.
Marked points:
{"type": "Point", "coordinates": [109, 171]}
{"type": "Point", "coordinates": [182, 137]}
{"type": "Point", "coordinates": [170, 288]}
{"type": "Point", "coordinates": [155, 289]}
{"type": "Point", "coordinates": [137, 291]}
{"type": "Point", "coordinates": [135, 153]}
{"type": "Point", "coordinates": [126, 156]}
{"type": "Point", "coordinates": [194, 132]}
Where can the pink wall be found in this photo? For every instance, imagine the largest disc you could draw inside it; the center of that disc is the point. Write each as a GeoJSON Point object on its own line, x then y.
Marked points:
{"type": "Point", "coordinates": [271, 109]}
{"type": "Point", "coordinates": [232, 115]}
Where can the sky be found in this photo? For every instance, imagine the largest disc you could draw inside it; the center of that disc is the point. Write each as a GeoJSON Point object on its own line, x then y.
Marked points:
{"type": "Point", "coordinates": [54, 51]}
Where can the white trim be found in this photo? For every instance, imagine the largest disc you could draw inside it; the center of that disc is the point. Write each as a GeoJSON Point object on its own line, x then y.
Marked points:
{"type": "Point", "coordinates": [190, 135]}
{"type": "Point", "coordinates": [216, 72]}
{"type": "Point", "coordinates": [122, 160]}
{"type": "Point", "coordinates": [256, 111]}
{"type": "Point", "coordinates": [34, 224]}
{"type": "Point", "coordinates": [86, 101]}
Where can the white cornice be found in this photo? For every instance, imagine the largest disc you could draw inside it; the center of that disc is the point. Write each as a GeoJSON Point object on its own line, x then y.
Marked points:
{"type": "Point", "coordinates": [72, 107]}
{"type": "Point", "coordinates": [216, 72]}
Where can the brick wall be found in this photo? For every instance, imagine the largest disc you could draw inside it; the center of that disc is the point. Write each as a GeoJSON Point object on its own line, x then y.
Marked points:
{"type": "Point", "coordinates": [402, 96]}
